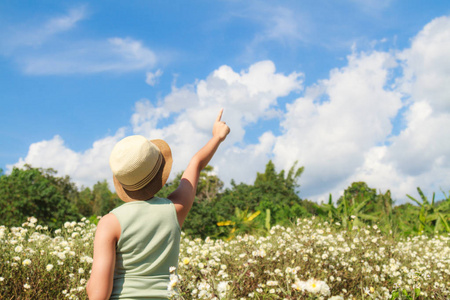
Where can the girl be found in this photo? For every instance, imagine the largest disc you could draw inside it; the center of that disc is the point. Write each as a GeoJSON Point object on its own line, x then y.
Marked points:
{"type": "Point", "coordinates": [136, 243]}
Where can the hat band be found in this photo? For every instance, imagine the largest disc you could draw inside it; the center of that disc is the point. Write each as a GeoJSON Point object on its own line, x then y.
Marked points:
{"type": "Point", "coordinates": [146, 179]}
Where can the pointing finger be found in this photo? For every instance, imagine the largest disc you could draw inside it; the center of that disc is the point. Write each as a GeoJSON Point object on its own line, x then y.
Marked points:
{"type": "Point", "coordinates": [219, 116]}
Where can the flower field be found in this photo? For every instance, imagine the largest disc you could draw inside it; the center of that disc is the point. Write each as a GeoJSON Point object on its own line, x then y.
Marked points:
{"type": "Point", "coordinates": [308, 260]}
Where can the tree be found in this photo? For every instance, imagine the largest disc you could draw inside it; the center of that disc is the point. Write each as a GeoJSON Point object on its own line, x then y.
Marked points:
{"type": "Point", "coordinates": [276, 193]}
{"type": "Point", "coordinates": [361, 205]}
{"type": "Point", "coordinates": [103, 199]}
{"type": "Point", "coordinates": [209, 185]}
{"type": "Point", "coordinates": [279, 194]}
{"type": "Point", "coordinates": [36, 192]}
{"type": "Point", "coordinates": [170, 186]}
{"type": "Point", "coordinates": [85, 202]}
{"type": "Point", "coordinates": [359, 192]}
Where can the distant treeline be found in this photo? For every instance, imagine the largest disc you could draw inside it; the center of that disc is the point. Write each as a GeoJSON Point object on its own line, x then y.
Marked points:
{"type": "Point", "coordinates": [223, 212]}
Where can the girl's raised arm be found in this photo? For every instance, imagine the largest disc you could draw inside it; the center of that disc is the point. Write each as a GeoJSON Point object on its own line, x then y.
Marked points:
{"type": "Point", "coordinates": [183, 197]}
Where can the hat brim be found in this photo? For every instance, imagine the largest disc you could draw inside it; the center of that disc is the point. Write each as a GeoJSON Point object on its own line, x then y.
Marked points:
{"type": "Point", "coordinates": [160, 179]}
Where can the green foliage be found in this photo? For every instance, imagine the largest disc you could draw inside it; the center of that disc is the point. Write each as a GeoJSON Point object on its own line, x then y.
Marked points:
{"type": "Point", "coordinates": [405, 218]}
{"type": "Point", "coordinates": [433, 218]}
{"type": "Point", "coordinates": [169, 187]}
{"type": "Point", "coordinates": [276, 192]}
{"type": "Point", "coordinates": [104, 200]}
{"type": "Point", "coordinates": [201, 220]}
{"type": "Point", "coordinates": [349, 213]}
{"type": "Point", "coordinates": [361, 205]}
{"type": "Point", "coordinates": [209, 185]}
{"type": "Point", "coordinates": [36, 192]}
{"type": "Point", "coordinates": [273, 199]}
{"type": "Point", "coordinates": [242, 222]}
{"type": "Point", "coordinates": [99, 201]}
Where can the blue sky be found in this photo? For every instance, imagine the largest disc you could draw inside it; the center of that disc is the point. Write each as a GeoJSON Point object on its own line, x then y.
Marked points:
{"type": "Point", "coordinates": [352, 90]}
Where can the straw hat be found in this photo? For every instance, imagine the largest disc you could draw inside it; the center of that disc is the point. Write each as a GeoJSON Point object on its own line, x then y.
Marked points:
{"type": "Point", "coordinates": [140, 167]}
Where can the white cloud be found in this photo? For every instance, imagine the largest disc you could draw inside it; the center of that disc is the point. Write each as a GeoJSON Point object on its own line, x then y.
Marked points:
{"type": "Point", "coordinates": [246, 97]}
{"type": "Point", "coordinates": [85, 168]}
{"type": "Point", "coordinates": [418, 155]}
{"type": "Point", "coordinates": [242, 163]}
{"type": "Point", "coordinates": [337, 121]}
{"type": "Point", "coordinates": [282, 24]}
{"type": "Point", "coordinates": [424, 144]}
{"type": "Point", "coordinates": [112, 55]}
{"type": "Point", "coordinates": [37, 34]}
{"type": "Point", "coordinates": [42, 49]}
{"type": "Point", "coordinates": [340, 129]}
{"type": "Point", "coordinates": [427, 65]}
{"type": "Point", "coordinates": [61, 24]}
{"type": "Point", "coordinates": [152, 78]}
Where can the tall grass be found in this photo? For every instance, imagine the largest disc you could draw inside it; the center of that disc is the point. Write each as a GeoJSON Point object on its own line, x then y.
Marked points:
{"type": "Point", "coordinates": [308, 260]}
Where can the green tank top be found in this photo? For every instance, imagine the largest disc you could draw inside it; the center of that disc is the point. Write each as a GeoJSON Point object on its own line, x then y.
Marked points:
{"type": "Point", "coordinates": [148, 246]}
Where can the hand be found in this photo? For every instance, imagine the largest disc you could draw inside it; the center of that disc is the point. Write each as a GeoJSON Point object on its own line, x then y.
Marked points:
{"type": "Point", "coordinates": [220, 128]}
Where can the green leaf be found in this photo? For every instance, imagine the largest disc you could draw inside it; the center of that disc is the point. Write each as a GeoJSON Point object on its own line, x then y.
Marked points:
{"type": "Point", "coordinates": [424, 198]}
{"type": "Point", "coordinates": [367, 217]}
{"type": "Point", "coordinates": [447, 228]}
{"type": "Point", "coordinates": [413, 199]}
{"type": "Point", "coordinates": [395, 295]}
{"type": "Point", "coordinates": [417, 292]}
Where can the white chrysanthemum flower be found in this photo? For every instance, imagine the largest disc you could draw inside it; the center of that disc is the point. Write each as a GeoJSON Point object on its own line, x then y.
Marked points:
{"type": "Point", "coordinates": [313, 285]}
{"type": "Point", "coordinates": [80, 271]}
{"type": "Point", "coordinates": [325, 289]}
{"type": "Point", "coordinates": [299, 285]}
{"type": "Point", "coordinates": [272, 283]}
{"type": "Point", "coordinates": [173, 281]}
{"type": "Point", "coordinates": [203, 286]}
{"type": "Point", "coordinates": [260, 253]}
{"type": "Point", "coordinates": [336, 298]}
{"type": "Point", "coordinates": [18, 249]}
{"type": "Point", "coordinates": [222, 287]}
{"type": "Point", "coordinates": [27, 286]}
{"type": "Point", "coordinates": [26, 262]}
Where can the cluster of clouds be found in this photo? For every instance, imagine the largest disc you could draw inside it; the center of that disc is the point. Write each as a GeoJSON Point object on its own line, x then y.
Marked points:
{"type": "Point", "coordinates": [54, 54]}
{"type": "Point", "coordinates": [384, 118]}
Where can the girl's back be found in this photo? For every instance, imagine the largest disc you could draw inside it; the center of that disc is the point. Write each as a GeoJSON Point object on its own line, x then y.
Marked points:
{"type": "Point", "coordinates": [148, 246]}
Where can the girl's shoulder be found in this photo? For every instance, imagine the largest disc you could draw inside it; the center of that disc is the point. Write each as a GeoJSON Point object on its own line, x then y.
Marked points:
{"type": "Point", "coordinates": [109, 226]}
